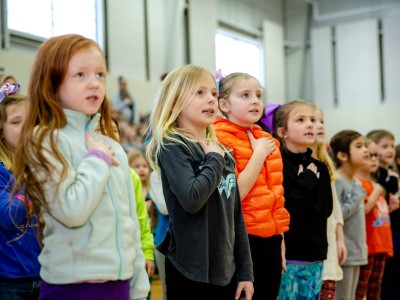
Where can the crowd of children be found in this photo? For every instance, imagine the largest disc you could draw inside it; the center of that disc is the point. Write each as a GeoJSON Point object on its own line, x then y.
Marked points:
{"type": "Point", "coordinates": [92, 204]}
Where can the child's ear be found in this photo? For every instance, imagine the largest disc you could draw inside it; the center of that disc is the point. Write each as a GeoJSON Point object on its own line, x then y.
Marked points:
{"type": "Point", "coordinates": [342, 156]}
{"type": "Point", "coordinates": [280, 132]}
{"type": "Point", "coordinates": [224, 106]}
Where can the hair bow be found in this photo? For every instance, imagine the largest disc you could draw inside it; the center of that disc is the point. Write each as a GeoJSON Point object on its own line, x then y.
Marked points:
{"type": "Point", "coordinates": [218, 78]}
{"type": "Point", "coordinates": [269, 112]}
{"type": "Point", "coordinates": [8, 89]}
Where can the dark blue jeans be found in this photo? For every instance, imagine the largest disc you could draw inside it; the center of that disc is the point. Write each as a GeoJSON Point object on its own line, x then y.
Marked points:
{"type": "Point", "coordinates": [19, 289]}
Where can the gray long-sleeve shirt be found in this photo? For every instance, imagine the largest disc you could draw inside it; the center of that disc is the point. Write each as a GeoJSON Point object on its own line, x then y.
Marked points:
{"type": "Point", "coordinates": [351, 197]}
{"type": "Point", "coordinates": [207, 239]}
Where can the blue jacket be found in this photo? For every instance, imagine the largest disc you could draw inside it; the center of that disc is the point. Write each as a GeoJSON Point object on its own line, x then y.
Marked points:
{"type": "Point", "coordinates": [19, 257]}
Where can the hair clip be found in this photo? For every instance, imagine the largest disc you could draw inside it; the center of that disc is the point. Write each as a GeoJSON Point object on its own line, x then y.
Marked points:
{"type": "Point", "coordinates": [269, 112]}
{"type": "Point", "coordinates": [218, 78]}
{"type": "Point", "coordinates": [8, 89]}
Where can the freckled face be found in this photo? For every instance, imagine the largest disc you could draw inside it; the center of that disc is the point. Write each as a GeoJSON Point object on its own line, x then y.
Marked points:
{"type": "Point", "coordinates": [83, 88]}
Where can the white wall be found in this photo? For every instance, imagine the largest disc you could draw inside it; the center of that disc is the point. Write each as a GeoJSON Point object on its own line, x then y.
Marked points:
{"type": "Point", "coordinates": [18, 64]}
{"type": "Point", "coordinates": [274, 53]}
{"type": "Point", "coordinates": [363, 119]}
{"type": "Point", "coordinates": [262, 19]}
{"type": "Point", "coordinates": [357, 63]}
{"type": "Point", "coordinates": [172, 39]}
{"type": "Point", "coordinates": [298, 67]}
{"type": "Point", "coordinates": [126, 39]}
{"type": "Point", "coordinates": [344, 79]}
{"type": "Point", "coordinates": [304, 75]}
{"type": "Point", "coordinates": [391, 62]}
{"type": "Point", "coordinates": [202, 29]}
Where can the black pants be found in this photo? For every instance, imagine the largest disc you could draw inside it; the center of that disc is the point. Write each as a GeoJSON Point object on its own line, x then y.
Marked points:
{"type": "Point", "coordinates": [180, 287]}
{"type": "Point", "coordinates": [19, 288]}
{"type": "Point", "coordinates": [267, 266]}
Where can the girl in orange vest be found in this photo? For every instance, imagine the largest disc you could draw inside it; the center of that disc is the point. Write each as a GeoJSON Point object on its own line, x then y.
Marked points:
{"type": "Point", "coordinates": [259, 172]}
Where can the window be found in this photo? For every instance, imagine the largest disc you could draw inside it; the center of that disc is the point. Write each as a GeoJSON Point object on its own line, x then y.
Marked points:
{"type": "Point", "coordinates": [47, 18]}
{"type": "Point", "coordinates": [236, 53]}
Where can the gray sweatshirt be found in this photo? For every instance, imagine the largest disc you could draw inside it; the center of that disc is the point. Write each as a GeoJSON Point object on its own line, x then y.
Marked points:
{"type": "Point", "coordinates": [207, 239]}
{"type": "Point", "coordinates": [351, 197]}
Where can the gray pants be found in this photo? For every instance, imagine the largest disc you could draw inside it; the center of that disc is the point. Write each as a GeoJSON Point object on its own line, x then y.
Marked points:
{"type": "Point", "coordinates": [160, 261]}
{"type": "Point", "coordinates": [346, 288]}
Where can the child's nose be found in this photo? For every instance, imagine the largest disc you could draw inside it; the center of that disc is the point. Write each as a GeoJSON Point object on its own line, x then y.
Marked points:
{"type": "Point", "coordinates": [93, 82]}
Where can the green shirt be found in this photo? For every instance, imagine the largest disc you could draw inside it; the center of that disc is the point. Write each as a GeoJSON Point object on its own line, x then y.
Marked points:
{"type": "Point", "coordinates": [144, 222]}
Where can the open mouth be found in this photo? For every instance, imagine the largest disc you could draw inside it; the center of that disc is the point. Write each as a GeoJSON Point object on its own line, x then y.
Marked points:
{"type": "Point", "coordinates": [92, 98]}
{"type": "Point", "coordinates": [209, 111]}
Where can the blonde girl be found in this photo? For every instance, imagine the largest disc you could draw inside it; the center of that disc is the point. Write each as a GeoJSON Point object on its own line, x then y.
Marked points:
{"type": "Point", "coordinates": [79, 181]}
{"type": "Point", "coordinates": [308, 198]}
{"type": "Point", "coordinates": [259, 170]}
{"type": "Point", "coordinates": [206, 246]}
{"type": "Point", "coordinates": [137, 161]}
{"type": "Point", "coordinates": [337, 252]}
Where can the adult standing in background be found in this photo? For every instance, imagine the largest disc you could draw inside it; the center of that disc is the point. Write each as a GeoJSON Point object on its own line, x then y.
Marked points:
{"type": "Point", "coordinates": [124, 103]}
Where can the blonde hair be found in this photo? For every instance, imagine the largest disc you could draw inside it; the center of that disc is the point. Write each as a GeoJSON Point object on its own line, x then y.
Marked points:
{"type": "Point", "coordinates": [320, 152]}
{"type": "Point", "coordinates": [176, 91]}
{"type": "Point", "coordinates": [226, 85]}
{"type": "Point", "coordinates": [6, 154]}
{"type": "Point", "coordinates": [45, 116]}
{"type": "Point", "coordinates": [368, 142]}
{"type": "Point", "coordinates": [133, 155]}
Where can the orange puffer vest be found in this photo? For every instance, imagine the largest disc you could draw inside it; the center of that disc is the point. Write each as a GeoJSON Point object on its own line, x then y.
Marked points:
{"type": "Point", "coordinates": [263, 207]}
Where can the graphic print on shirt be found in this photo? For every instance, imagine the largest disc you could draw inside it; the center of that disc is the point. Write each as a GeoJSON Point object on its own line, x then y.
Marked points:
{"type": "Point", "coordinates": [381, 213]}
{"type": "Point", "coordinates": [226, 184]}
